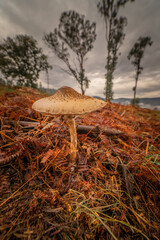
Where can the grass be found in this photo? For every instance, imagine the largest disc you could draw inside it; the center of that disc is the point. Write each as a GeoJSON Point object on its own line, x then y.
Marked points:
{"type": "Point", "coordinates": [5, 89]}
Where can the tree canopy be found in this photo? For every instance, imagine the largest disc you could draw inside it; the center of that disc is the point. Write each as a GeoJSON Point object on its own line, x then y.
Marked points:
{"type": "Point", "coordinates": [73, 35]}
{"type": "Point", "coordinates": [21, 60]}
{"type": "Point", "coordinates": [114, 37]}
{"type": "Point", "coordinates": [137, 53]}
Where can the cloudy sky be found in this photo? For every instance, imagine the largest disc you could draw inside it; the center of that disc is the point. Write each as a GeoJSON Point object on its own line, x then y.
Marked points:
{"type": "Point", "coordinates": [36, 17]}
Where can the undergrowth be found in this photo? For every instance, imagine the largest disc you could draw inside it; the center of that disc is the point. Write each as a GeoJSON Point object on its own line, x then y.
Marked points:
{"type": "Point", "coordinates": [114, 192]}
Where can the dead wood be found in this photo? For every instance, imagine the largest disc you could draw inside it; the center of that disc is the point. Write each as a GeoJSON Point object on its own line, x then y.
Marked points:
{"type": "Point", "coordinates": [80, 128]}
{"type": "Point", "coordinates": [106, 131]}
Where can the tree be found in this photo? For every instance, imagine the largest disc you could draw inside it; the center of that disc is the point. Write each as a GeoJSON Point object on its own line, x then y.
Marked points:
{"type": "Point", "coordinates": [114, 36]}
{"type": "Point", "coordinates": [137, 53]}
{"type": "Point", "coordinates": [21, 60]}
{"type": "Point", "coordinates": [77, 35]}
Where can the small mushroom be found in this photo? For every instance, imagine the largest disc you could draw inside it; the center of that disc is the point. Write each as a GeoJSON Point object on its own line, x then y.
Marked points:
{"type": "Point", "coordinates": [68, 103]}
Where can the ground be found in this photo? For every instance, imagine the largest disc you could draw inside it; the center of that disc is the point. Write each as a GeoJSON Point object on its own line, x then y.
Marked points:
{"type": "Point", "coordinates": [113, 192]}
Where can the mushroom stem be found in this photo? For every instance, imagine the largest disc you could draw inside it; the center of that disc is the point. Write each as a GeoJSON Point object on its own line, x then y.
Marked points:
{"type": "Point", "coordinates": [73, 134]}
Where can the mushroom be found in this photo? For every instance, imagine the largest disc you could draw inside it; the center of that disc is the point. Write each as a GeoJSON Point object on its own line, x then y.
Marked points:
{"type": "Point", "coordinates": [68, 103]}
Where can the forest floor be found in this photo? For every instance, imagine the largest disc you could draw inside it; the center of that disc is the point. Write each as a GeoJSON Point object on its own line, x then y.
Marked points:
{"type": "Point", "coordinates": [114, 192]}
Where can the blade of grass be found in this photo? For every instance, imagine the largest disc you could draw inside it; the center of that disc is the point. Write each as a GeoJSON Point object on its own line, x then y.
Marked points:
{"type": "Point", "coordinates": [100, 220]}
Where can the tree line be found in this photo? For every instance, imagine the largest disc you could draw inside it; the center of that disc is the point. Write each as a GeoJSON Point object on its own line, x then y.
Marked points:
{"type": "Point", "coordinates": [22, 60]}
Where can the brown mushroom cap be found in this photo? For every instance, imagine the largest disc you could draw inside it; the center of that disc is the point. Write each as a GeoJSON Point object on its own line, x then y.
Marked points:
{"type": "Point", "coordinates": [67, 101]}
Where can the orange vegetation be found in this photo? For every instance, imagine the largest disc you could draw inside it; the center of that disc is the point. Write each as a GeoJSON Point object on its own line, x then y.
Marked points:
{"type": "Point", "coordinates": [114, 192]}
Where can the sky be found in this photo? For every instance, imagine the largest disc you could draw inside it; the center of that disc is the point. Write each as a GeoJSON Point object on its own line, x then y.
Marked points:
{"type": "Point", "coordinates": [38, 17]}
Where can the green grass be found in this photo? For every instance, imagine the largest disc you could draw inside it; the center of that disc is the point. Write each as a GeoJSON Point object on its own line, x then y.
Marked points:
{"type": "Point", "coordinates": [6, 89]}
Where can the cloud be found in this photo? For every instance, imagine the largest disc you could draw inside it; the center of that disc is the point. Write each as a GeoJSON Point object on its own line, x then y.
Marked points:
{"type": "Point", "coordinates": [36, 17]}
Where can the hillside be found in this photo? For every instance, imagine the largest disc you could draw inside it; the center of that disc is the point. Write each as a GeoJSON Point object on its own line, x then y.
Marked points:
{"type": "Point", "coordinates": [114, 192]}
{"type": "Point", "coordinates": [150, 103]}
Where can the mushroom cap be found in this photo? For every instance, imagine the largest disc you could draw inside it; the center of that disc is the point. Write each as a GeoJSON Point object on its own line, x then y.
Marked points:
{"type": "Point", "coordinates": [67, 101]}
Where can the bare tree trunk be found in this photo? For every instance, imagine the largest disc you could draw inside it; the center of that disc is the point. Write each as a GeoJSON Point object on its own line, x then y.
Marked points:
{"type": "Point", "coordinates": [135, 89]}
{"type": "Point", "coordinates": [108, 90]}
{"type": "Point", "coordinates": [83, 92]}
{"type": "Point", "coordinates": [136, 81]}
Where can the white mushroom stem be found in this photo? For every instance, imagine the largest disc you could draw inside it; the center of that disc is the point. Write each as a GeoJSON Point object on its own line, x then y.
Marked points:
{"type": "Point", "coordinates": [73, 134]}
